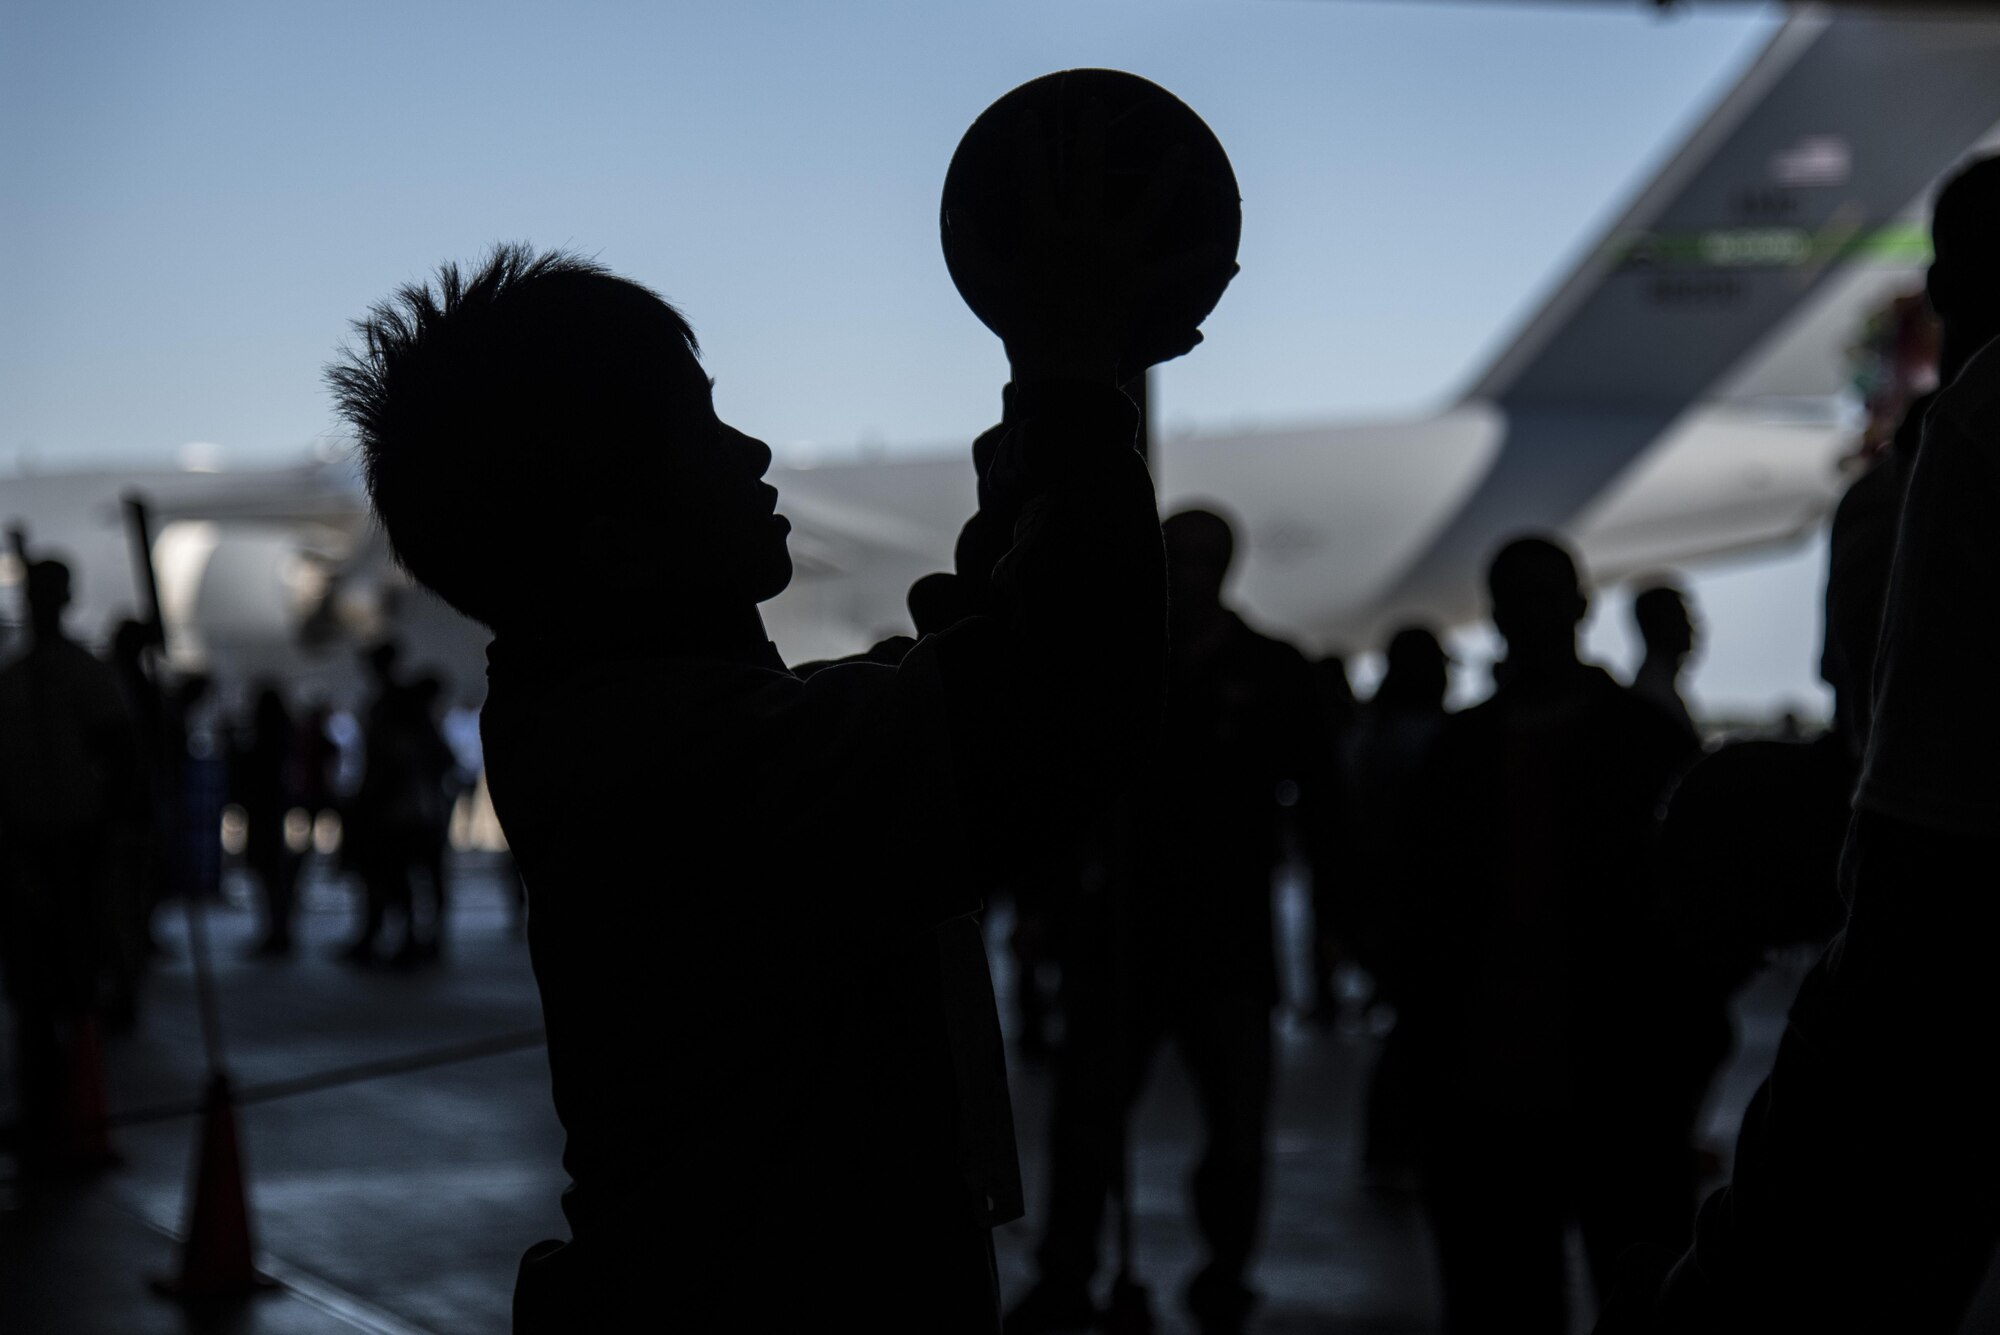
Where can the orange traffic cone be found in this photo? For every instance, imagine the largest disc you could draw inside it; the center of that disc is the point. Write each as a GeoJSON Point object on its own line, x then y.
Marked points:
{"type": "Point", "coordinates": [86, 1138]}
{"type": "Point", "coordinates": [216, 1254]}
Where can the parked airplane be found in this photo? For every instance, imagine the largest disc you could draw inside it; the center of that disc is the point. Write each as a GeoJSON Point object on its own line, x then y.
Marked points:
{"type": "Point", "coordinates": [1680, 394]}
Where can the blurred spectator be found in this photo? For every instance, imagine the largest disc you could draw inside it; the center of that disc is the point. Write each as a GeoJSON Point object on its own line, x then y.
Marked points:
{"type": "Point", "coordinates": [1173, 938]}
{"type": "Point", "coordinates": [1531, 860]}
{"type": "Point", "coordinates": [1668, 630]}
{"type": "Point", "coordinates": [398, 819]}
{"type": "Point", "coordinates": [74, 814]}
{"type": "Point", "coordinates": [1338, 711]}
{"type": "Point", "coordinates": [1382, 763]}
{"type": "Point", "coordinates": [262, 771]}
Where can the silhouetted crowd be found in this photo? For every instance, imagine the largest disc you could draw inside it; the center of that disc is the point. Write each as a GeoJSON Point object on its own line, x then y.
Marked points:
{"type": "Point", "coordinates": [1491, 872]}
{"type": "Point", "coordinates": [757, 891]}
{"type": "Point", "coordinates": [122, 791]}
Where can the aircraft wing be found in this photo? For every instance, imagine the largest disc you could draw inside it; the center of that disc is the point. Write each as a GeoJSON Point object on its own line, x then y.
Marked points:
{"type": "Point", "coordinates": [1711, 318]}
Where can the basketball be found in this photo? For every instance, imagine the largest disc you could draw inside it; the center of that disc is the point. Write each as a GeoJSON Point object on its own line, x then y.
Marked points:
{"type": "Point", "coordinates": [1147, 134]}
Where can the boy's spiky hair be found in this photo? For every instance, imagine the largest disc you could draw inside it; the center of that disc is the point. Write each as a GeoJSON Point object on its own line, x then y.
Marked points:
{"type": "Point", "coordinates": [483, 401]}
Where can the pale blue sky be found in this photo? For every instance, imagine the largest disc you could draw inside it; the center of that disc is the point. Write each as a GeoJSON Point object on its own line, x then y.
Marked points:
{"type": "Point", "coordinates": [200, 195]}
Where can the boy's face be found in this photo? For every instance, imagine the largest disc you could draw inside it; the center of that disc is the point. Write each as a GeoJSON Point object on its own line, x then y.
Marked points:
{"type": "Point", "coordinates": [720, 533]}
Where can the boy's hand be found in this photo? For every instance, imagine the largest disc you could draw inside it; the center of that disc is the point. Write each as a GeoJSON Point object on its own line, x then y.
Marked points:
{"type": "Point", "coordinates": [1076, 299]}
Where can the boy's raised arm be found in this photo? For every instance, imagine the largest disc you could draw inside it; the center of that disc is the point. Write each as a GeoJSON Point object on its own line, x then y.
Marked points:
{"type": "Point", "coordinates": [1055, 691]}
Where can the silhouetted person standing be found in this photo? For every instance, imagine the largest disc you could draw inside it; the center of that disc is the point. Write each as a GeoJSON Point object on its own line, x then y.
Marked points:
{"type": "Point", "coordinates": [1751, 840]}
{"type": "Point", "coordinates": [1338, 713]}
{"type": "Point", "coordinates": [1668, 631]}
{"type": "Point", "coordinates": [262, 778]}
{"type": "Point", "coordinates": [396, 812]}
{"type": "Point", "coordinates": [435, 772]}
{"type": "Point", "coordinates": [771, 1034]}
{"type": "Point", "coordinates": [1181, 944]}
{"type": "Point", "coordinates": [1865, 1179]}
{"type": "Point", "coordinates": [364, 846]}
{"type": "Point", "coordinates": [148, 874]}
{"type": "Point", "coordinates": [1533, 883]}
{"type": "Point", "coordinates": [201, 786]}
{"type": "Point", "coordinates": [1861, 547]}
{"type": "Point", "coordinates": [1382, 766]}
{"type": "Point", "coordinates": [1749, 845]}
{"type": "Point", "coordinates": [73, 820]}
{"type": "Point", "coordinates": [315, 761]}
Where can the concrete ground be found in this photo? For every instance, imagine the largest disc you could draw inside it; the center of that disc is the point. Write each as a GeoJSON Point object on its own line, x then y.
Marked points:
{"type": "Point", "coordinates": [402, 1153]}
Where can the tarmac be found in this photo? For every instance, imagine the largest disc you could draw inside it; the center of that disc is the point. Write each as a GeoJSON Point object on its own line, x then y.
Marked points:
{"type": "Point", "coordinates": [401, 1151]}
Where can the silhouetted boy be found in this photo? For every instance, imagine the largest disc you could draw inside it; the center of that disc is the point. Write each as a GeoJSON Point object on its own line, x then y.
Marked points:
{"type": "Point", "coordinates": [771, 1033]}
